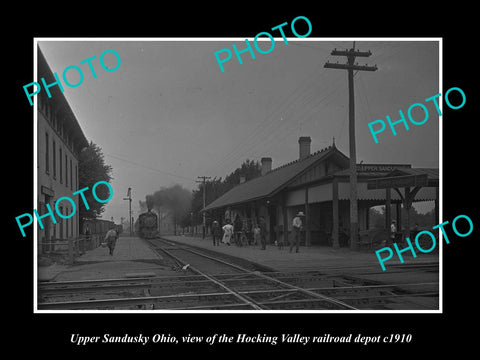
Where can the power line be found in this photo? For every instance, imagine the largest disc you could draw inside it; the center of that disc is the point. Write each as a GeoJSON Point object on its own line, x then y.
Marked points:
{"type": "Point", "coordinates": [258, 130]}
{"type": "Point", "coordinates": [274, 117]}
{"type": "Point", "coordinates": [301, 99]}
{"type": "Point", "coordinates": [204, 178]}
{"type": "Point", "coordinates": [290, 108]}
{"type": "Point", "coordinates": [350, 66]}
{"type": "Point", "coordinates": [287, 126]}
{"type": "Point", "coordinates": [149, 167]}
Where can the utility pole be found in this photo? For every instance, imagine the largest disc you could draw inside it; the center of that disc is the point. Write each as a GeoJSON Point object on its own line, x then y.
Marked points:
{"type": "Point", "coordinates": [350, 66]}
{"type": "Point", "coordinates": [204, 178]}
{"type": "Point", "coordinates": [129, 197]}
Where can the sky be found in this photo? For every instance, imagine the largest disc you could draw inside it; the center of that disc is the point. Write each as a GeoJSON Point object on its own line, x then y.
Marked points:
{"type": "Point", "coordinates": [168, 114]}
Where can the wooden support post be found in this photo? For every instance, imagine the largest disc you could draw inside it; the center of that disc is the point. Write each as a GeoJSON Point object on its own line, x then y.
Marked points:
{"type": "Point", "coordinates": [408, 201]}
{"type": "Point", "coordinates": [285, 220]}
{"type": "Point", "coordinates": [388, 208]}
{"type": "Point", "coordinates": [367, 216]}
{"type": "Point", "coordinates": [408, 206]}
{"type": "Point", "coordinates": [335, 230]}
{"type": "Point", "coordinates": [399, 216]}
{"type": "Point", "coordinates": [307, 220]}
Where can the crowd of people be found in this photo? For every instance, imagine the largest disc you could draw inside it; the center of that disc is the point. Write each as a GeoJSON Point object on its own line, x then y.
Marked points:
{"type": "Point", "coordinates": [245, 232]}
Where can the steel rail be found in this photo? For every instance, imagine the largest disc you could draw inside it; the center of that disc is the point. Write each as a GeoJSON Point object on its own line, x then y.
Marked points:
{"type": "Point", "coordinates": [167, 280]}
{"type": "Point", "coordinates": [90, 285]}
{"type": "Point", "coordinates": [244, 299]}
{"type": "Point", "coordinates": [320, 296]}
{"type": "Point", "coordinates": [179, 297]}
{"type": "Point", "coordinates": [260, 291]}
{"type": "Point", "coordinates": [299, 289]}
{"type": "Point", "coordinates": [112, 280]}
{"type": "Point", "coordinates": [145, 300]}
{"type": "Point", "coordinates": [112, 287]}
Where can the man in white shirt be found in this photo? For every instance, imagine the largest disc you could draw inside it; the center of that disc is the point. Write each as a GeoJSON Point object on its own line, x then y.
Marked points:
{"type": "Point", "coordinates": [111, 239]}
{"type": "Point", "coordinates": [297, 228]}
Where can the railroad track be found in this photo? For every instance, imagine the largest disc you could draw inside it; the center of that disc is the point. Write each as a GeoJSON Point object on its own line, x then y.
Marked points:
{"type": "Point", "coordinates": [212, 283]}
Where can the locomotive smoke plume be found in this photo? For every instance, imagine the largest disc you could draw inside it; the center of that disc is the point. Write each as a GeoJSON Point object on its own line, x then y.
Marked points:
{"type": "Point", "coordinates": [150, 202]}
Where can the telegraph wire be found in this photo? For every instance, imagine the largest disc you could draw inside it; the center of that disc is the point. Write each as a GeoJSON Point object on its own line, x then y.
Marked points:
{"type": "Point", "coordinates": [262, 126]}
{"type": "Point", "coordinates": [149, 167]}
{"type": "Point", "coordinates": [265, 123]}
{"type": "Point", "coordinates": [299, 98]}
{"type": "Point", "coordinates": [288, 107]}
{"type": "Point", "coordinates": [286, 127]}
{"type": "Point", "coordinates": [282, 130]}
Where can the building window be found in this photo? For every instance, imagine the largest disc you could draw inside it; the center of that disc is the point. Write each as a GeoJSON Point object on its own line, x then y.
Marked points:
{"type": "Point", "coordinates": [47, 154]}
{"type": "Point", "coordinates": [61, 166]}
{"type": "Point", "coordinates": [60, 222]}
{"type": "Point", "coordinates": [66, 170]}
{"type": "Point", "coordinates": [54, 162]}
{"type": "Point", "coordinates": [71, 179]}
{"type": "Point", "coordinates": [66, 223]}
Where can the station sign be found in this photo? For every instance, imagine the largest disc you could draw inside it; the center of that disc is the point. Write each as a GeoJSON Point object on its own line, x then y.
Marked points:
{"type": "Point", "coordinates": [398, 181]}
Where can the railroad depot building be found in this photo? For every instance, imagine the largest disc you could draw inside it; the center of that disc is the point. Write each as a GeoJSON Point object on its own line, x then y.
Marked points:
{"type": "Point", "coordinates": [318, 184]}
{"type": "Point", "coordinates": [59, 142]}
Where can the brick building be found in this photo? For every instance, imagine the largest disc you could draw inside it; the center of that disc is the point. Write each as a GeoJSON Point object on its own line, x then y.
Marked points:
{"type": "Point", "coordinates": [59, 142]}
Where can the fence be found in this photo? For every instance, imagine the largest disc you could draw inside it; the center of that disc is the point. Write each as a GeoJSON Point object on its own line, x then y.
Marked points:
{"type": "Point", "coordinates": [73, 247]}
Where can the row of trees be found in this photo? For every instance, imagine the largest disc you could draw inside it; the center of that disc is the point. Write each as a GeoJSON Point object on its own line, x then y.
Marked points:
{"type": "Point", "coordinates": [377, 217]}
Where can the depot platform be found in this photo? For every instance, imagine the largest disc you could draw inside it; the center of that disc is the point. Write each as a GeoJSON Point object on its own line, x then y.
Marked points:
{"type": "Point", "coordinates": [132, 256]}
{"type": "Point", "coordinates": [308, 258]}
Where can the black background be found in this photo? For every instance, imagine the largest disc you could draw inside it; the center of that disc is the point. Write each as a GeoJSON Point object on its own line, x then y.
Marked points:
{"type": "Point", "coordinates": [48, 335]}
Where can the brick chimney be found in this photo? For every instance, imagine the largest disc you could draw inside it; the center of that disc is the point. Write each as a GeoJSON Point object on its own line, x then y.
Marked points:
{"type": "Point", "coordinates": [304, 146]}
{"type": "Point", "coordinates": [266, 165]}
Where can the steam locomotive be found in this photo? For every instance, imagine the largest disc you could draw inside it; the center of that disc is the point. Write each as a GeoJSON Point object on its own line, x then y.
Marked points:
{"type": "Point", "coordinates": [147, 225]}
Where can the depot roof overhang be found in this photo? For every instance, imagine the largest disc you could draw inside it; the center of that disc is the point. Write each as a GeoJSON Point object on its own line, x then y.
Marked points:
{"type": "Point", "coordinates": [416, 177]}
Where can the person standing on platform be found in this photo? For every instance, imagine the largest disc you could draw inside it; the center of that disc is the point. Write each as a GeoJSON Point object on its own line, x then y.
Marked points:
{"type": "Point", "coordinates": [216, 233]}
{"type": "Point", "coordinates": [227, 232]}
{"type": "Point", "coordinates": [256, 234]}
{"type": "Point", "coordinates": [393, 231]}
{"type": "Point", "coordinates": [237, 229]}
{"type": "Point", "coordinates": [263, 232]}
{"type": "Point", "coordinates": [111, 239]}
{"type": "Point", "coordinates": [297, 228]}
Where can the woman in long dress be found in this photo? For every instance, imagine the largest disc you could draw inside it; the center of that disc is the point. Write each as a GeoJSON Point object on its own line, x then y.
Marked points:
{"type": "Point", "coordinates": [227, 232]}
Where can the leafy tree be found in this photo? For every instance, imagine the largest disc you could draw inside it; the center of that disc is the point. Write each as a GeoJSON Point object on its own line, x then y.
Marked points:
{"type": "Point", "coordinates": [377, 218]}
{"type": "Point", "coordinates": [91, 169]}
{"type": "Point", "coordinates": [216, 187]}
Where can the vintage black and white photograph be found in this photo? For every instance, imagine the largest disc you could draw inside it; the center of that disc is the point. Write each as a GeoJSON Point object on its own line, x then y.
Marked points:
{"type": "Point", "coordinates": [261, 174]}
